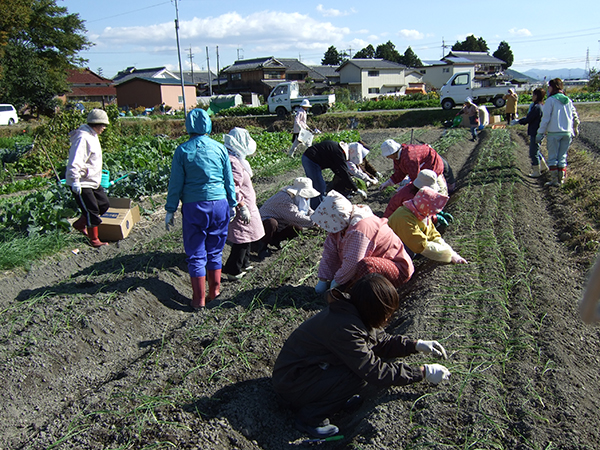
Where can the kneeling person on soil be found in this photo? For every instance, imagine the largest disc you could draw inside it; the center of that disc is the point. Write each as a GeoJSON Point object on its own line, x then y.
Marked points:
{"type": "Point", "coordinates": [84, 175]}
{"type": "Point", "coordinates": [413, 223]}
{"type": "Point", "coordinates": [358, 243]}
{"type": "Point", "coordinates": [326, 363]}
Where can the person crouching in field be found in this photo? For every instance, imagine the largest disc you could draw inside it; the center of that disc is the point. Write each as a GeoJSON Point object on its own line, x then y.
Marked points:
{"type": "Point", "coordinates": [246, 227]}
{"type": "Point", "coordinates": [358, 243]}
{"type": "Point", "coordinates": [201, 178]}
{"type": "Point", "coordinates": [413, 223]}
{"type": "Point", "coordinates": [286, 214]}
{"type": "Point", "coordinates": [330, 358]}
{"type": "Point", "coordinates": [84, 175]}
{"type": "Point", "coordinates": [410, 160]}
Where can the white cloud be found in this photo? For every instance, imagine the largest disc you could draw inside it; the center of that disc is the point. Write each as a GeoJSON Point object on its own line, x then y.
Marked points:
{"type": "Point", "coordinates": [411, 34]}
{"type": "Point", "coordinates": [333, 12]}
{"type": "Point", "coordinates": [523, 32]}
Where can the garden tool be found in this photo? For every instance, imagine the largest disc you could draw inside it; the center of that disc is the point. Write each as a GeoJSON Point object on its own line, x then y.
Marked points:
{"type": "Point", "coordinates": [132, 173]}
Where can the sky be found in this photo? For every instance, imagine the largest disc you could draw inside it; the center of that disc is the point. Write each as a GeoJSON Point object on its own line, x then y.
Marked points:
{"type": "Point", "coordinates": [141, 33]}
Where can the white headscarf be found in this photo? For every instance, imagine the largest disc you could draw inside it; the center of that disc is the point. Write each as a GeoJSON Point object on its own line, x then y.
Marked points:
{"type": "Point", "coordinates": [357, 152]}
{"type": "Point", "coordinates": [240, 144]}
{"type": "Point", "coordinates": [336, 213]}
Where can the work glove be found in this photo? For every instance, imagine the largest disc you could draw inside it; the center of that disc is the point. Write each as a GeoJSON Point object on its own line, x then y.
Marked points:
{"type": "Point", "coordinates": [385, 184]}
{"type": "Point", "coordinates": [539, 138]}
{"type": "Point", "coordinates": [333, 284]}
{"type": "Point", "coordinates": [457, 259]}
{"type": "Point", "coordinates": [232, 212]}
{"type": "Point", "coordinates": [436, 373]}
{"type": "Point", "coordinates": [244, 213]}
{"type": "Point", "coordinates": [514, 122]}
{"type": "Point", "coordinates": [362, 193]}
{"type": "Point", "coordinates": [441, 220]}
{"type": "Point", "coordinates": [449, 217]}
{"type": "Point", "coordinates": [76, 187]}
{"type": "Point", "coordinates": [431, 347]}
{"type": "Point", "coordinates": [169, 220]}
{"type": "Point", "coordinates": [321, 287]}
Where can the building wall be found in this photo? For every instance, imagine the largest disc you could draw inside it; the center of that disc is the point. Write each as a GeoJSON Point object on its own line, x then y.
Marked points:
{"type": "Point", "coordinates": [147, 94]}
{"type": "Point", "coordinates": [171, 95]}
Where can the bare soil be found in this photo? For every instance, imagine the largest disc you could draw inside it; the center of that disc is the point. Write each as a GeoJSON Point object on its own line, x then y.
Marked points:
{"type": "Point", "coordinates": [100, 350]}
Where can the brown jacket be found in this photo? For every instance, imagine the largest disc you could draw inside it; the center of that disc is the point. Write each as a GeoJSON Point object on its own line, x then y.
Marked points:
{"type": "Point", "coordinates": [336, 338]}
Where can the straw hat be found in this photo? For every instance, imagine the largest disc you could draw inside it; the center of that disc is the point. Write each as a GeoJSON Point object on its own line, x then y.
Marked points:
{"type": "Point", "coordinates": [302, 187]}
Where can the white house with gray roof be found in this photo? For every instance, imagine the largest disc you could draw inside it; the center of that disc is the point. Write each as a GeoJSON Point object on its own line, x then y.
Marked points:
{"type": "Point", "coordinates": [370, 78]}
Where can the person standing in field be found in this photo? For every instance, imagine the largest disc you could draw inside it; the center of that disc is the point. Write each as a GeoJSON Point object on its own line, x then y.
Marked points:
{"type": "Point", "coordinates": [84, 175]}
{"type": "Point", "coordinates": [511, 105]}
{"type": "Point", "coordinates": [300, 124]}
{"type": "Point", "coordinates": [202, 179]}
{"type": "Point", "coordinates": [326, 363]}
{"type": "Point", "coordinates": [532, 120]}
{"type": "Point", "coordinates": [561, 124]}
{"type": "Point", "coordinates": [470, 109]}
{"type": "Point", "coordinates": [247, 225]}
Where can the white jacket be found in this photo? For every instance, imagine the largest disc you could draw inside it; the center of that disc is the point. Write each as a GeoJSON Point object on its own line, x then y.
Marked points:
{"type": "Point", "coordinates": [559, 115]}
{"type": "Point", "coordinates": [85, 158]}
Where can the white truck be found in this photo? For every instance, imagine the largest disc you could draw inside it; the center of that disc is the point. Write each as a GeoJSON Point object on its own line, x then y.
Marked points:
{"type": "Point", "coordinates": [462, 86]}
{"type": "Point", "coordinates": [285, 97]}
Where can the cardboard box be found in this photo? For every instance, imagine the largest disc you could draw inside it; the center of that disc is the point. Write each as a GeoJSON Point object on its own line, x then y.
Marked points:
{"type": "Point", "coordinates": [495, 119]}
{"type": "Point", "coordinates": [118, 221]}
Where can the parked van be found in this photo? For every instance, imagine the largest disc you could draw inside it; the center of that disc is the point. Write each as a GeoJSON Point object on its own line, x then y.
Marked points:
{"type": "Point", "coordinates": [8, 115]}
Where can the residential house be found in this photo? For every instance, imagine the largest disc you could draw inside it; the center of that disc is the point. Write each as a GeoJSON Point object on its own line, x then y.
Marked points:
{"type": "Point", "coordinates": [371, 78]}
{"type": "Point", "coordinates": [202, 79]}
{"type": "Point", "coordinates": [132, 72]}
{"type": "Point", "coordinates": [150, 92]}
{"type": "Point", "coordinates": [331, 75]}
{"type": "Point", "coordinates": [87, 86]}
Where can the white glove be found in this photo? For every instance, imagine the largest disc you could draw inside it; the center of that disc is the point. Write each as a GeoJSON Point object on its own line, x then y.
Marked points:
{"type": "Point", "coordinates": [433, 347]}
{"type": "Point", "coordinates": [435, 373]}
{"type": "Point", "coordinates": [76, 187]}
{"type": "Point", "coordinates": [244, 212]}
{"type": "Point", "coordinates": [385, 184]}
{"type": "Point", "coordinates": [321, 287]}
{"type": "Point", "coordinates": [457, 259]}
{"type": "Point", "coordinates": [362, 193]}
{"type": "Point", "coordinates": [169, 220]}
{"type": "Point", "coordinates": [231, 214]}
{"type": "Point", "coordinates": [514, 122]}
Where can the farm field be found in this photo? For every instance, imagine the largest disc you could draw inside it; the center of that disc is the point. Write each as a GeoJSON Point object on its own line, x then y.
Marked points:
{"type": "Point", "coordinates": [99, 350]}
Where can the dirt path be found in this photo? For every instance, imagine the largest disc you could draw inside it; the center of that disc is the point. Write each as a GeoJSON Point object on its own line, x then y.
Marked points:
{"type": "Point", "coordinates": [99, 349]}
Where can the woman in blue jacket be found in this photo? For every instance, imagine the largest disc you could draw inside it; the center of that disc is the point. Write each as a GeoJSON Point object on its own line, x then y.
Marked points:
{"type": "Point", "coordinates": [201, 178]}
{"type": "Point", "coordinates": [533, 119]}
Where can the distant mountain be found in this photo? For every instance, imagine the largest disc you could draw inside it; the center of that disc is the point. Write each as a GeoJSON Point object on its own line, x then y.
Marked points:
{"type": "Point", "coordinates": [539, 74]}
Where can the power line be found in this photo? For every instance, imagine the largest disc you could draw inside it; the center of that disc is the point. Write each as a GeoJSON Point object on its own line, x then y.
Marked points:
{"type": "Point", "coordinates": [128, 12]}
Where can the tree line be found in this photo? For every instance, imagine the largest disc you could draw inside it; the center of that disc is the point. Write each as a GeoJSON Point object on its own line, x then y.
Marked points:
{"type": "Point", "coordinates": [388, 52]}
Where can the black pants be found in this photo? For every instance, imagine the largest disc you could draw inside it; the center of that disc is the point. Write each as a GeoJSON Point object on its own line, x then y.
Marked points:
{"type": "Point", "coordinates": [449, 176]}
{"type": "Point", "coordinates": [239, 258]}
{"type": "Point", "coordinates": [272, 236]}
{"type": "Point", "coordinates": [93, 203]}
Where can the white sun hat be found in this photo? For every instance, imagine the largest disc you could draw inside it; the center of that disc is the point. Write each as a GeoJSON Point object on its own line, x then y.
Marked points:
{"type": "Point", "coordinates": [390, 147]}
{"type": "Point", "coordinates": [305, 103]}
{"type": "Point", "coordinates": [302, 187]}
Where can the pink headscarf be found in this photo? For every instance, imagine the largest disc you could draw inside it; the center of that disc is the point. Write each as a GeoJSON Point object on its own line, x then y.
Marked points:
{"type": "Point", "coordinates": [426, 203]}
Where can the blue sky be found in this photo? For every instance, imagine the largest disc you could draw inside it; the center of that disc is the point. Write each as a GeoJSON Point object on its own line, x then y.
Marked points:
{"type": "Point", "coordinates": [141, 33]}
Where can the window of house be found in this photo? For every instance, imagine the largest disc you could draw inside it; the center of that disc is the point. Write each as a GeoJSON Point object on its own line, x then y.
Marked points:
{"type": "Point", "coordinates": [423, 71]}
{"type": "Point", "coordinates": [236, 76]}
{"type": "Point", "coordinates": [180, 99]}
{"type": "Point", "coordinates": [374, 90]}
{"type": "Point", "coordinates": [272, 75]}
{"type": "Point", "coordinates": [461, 80]}
{"type": "Point", "coordinates": [373, 73]}
{"type": "Point", "coordinates": [445, 70]}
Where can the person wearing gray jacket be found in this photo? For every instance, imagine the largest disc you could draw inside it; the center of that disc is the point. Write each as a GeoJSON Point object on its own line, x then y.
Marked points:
{"type": "Point", "coordinates": [328, 360]}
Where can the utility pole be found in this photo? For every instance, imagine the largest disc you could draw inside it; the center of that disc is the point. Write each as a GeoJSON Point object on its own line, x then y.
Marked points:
{"type": "Point", "coordinates": [587, 63]}
{"type": "Point", "coordinates": [179, 56]}
{"type": "Point", "coordinates": [208, 67]}
{"type": "Point", "coordinates": [218, 72]}
{"type": "Point", "coordinates": [444, 47]}
{"type": "Point", "coordinates": [192, 64]}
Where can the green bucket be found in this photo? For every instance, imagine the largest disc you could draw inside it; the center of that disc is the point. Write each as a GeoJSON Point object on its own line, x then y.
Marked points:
{"type": "Point", "coordinates": [105, 183]}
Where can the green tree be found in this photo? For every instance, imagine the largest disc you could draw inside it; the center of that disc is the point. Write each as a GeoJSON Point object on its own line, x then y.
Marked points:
{"type": "Point", "coordinates": [366, 53]}
{"type": "Point", "coordinates": [37, 53]}
{"type": "Point", "coordinates": [331, 57]}
{"type": "Point", "coordinates": [594, 80]}
{"type": "Point", "coordinates": [505, 54]}
{"type": "Point", "coordinates": [388, 52]}
{"type": "Point", "coordinates": [410, 59]}
{"type": "Point", "coordinates": [471, 44]}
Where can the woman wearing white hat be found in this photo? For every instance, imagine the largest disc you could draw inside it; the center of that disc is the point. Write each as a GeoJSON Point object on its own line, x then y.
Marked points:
{"type": "Point", "coordinates": [358, 243]}
{"type": "Point", "coordinates": [300, 124]}
{"type": "Point", "coordinates": [247, 226]}
{"type": "Point", "coordinates": [286, 213]}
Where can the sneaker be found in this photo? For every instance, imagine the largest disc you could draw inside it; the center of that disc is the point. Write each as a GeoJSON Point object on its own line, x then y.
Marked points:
{"type": "Point", "coordinates": [321, 431]}
{"type": "Point", "coordinates": [237, 277]}
{"type": "Point", "coordinates": [248, 268]}
{"type": "Point", "coordinates": [353, 403]}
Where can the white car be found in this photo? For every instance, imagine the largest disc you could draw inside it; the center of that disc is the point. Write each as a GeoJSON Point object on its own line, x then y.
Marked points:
{"type": "Point", "coordinates": [8, 115]}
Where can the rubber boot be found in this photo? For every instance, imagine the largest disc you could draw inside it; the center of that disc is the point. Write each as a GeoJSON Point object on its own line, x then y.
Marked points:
{"type": "Point", "coordinates": [80, 225]}
{"type": "Point", "coordinates": [535, 172]}
{"type": "Point", "coordinates": [562, 175]}
{"type": "Point", "coordinates": [543, 165]}
{"type": "Point", "coordinates": [199, 292]}
{"type": "Point", "coordinates": [214, 284]}
{"type": "Point", "coordinates": [93, 236]}
{"type": "Point", "coordinates": [553, 176]}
